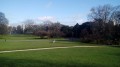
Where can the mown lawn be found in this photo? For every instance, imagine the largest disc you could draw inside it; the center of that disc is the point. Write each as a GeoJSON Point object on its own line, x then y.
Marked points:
{"type": "Point", "coordinates": [15, 42]}
{"type": "Point", "coordinates": [70, 57]}
{"type": "Point", "coordinates": [105, 56]}
{"type": "Point", "coordinates": [13, 45]}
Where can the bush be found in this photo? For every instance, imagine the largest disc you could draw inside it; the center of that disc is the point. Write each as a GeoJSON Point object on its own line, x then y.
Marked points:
{"type": "Point", "coordinates": [42, 34]}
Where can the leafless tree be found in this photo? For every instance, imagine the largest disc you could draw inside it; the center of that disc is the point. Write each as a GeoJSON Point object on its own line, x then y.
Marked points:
{"type": "Point", "coordinates": [3, 24]}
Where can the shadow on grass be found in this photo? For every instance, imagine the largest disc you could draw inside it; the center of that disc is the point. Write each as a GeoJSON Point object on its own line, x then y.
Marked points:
{"type": "Point", "coordinates": [35, 38]}
{"type": "Point", "coordinates": [62, 40]}
{"type": "Point", "coordinates": [39, 38]}
{"type": "Point", "coordinates": [117, 46]}
{"type": "Point", "coordinates": [6, 62]}
{"type": "Point", "coordinates": [69, 40]}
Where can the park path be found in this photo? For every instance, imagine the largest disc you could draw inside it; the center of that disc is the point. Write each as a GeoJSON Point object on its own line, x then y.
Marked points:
{"type": "Point", "coordinates": [10, 51]}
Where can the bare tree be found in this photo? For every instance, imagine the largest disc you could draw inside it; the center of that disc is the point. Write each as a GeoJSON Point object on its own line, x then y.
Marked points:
{"type": "Point", "coordinates": [29, 26]}
{"type": "Point", "coordinates": [101, 12]}
{"type": "Point", "coordinates": [115, 16]}
{"type": "Point", "coordinates": [3, 24]}
{"type": "Point", "coordinates": [19, 29]}
{"type": "Point", "coordinates": [106, 13]}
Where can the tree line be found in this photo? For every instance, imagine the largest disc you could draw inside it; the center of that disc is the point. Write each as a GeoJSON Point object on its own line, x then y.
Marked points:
{"type": "Point", "coordinates": [102, 27]}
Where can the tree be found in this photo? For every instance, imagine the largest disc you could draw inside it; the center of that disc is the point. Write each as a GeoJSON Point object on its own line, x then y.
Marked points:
{"type": "Point", "coordinates": [106, 13]}
{"type": "Point", "coordinates": [115, 15]}
{"type": "Point", "coordinates": [101, 12]}
{"type": "Point", "coordinates": [76, 31]}
{"type": "Point", "coordinates": [29, 26]}
{"type": "Point", "coordinates": [19, 29]}
{"type": "Point", "coordinates": [54, 30]}
{"type": "Point", "coordinates": [105, 24]}
{"type": "Point", "coordinates": [66, 30]}
{"type": "Point", "coordinates": [14, 30]}
{"type": "Point", "coordinates": [10, 29]}
{"type": "Point", "coordinates": [42, 34]}
{"type": "Point", "coordinates": [85, 32]}
{"type": "Point", "coordinates": [3, 24]}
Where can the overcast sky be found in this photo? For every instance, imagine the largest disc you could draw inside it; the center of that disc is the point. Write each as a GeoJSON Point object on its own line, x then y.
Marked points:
{"type": "Point", "coordinates": [67, 12]}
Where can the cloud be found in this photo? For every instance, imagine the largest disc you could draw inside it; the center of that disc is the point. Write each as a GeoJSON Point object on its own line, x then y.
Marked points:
{"type": "Point", "coordinates": [72, 20]}
{"type": "Point", "coordinates": [68, 20]}
{"type": "Point", "coordinates": [47, 18]}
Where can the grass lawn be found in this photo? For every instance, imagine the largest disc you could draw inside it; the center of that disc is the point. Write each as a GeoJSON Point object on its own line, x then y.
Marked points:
{"type": "Point", "coordinates": [67, 57]}
{"type": "Point", "coordinates": [71, 57]}
{"type": "Point", "coordinates": [15, 42]}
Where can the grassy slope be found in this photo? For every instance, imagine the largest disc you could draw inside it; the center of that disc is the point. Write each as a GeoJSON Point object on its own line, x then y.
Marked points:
{"type": "Point", "coordinates": [28, 42]}
{"type": "Point", "coordinates": [71, 57]}
{"type": "Point", "coordinates": [12, 45]}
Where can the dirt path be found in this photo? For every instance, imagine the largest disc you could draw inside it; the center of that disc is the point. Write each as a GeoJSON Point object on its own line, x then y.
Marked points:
{"type": "Point", "coordinates": [45, 49]}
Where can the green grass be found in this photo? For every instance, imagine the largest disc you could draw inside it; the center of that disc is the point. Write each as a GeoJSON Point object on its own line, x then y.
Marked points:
{"type": "Point", "coordinates": [15, 42]}
{"type": "Point", "coordinates": [17, 37]}
{"type": "Point", "coordinates": [12, 45]}
{"type": "Point", "coordinates": [71, 57]}
{"type": "Point", "coordinates": [105, 56]}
